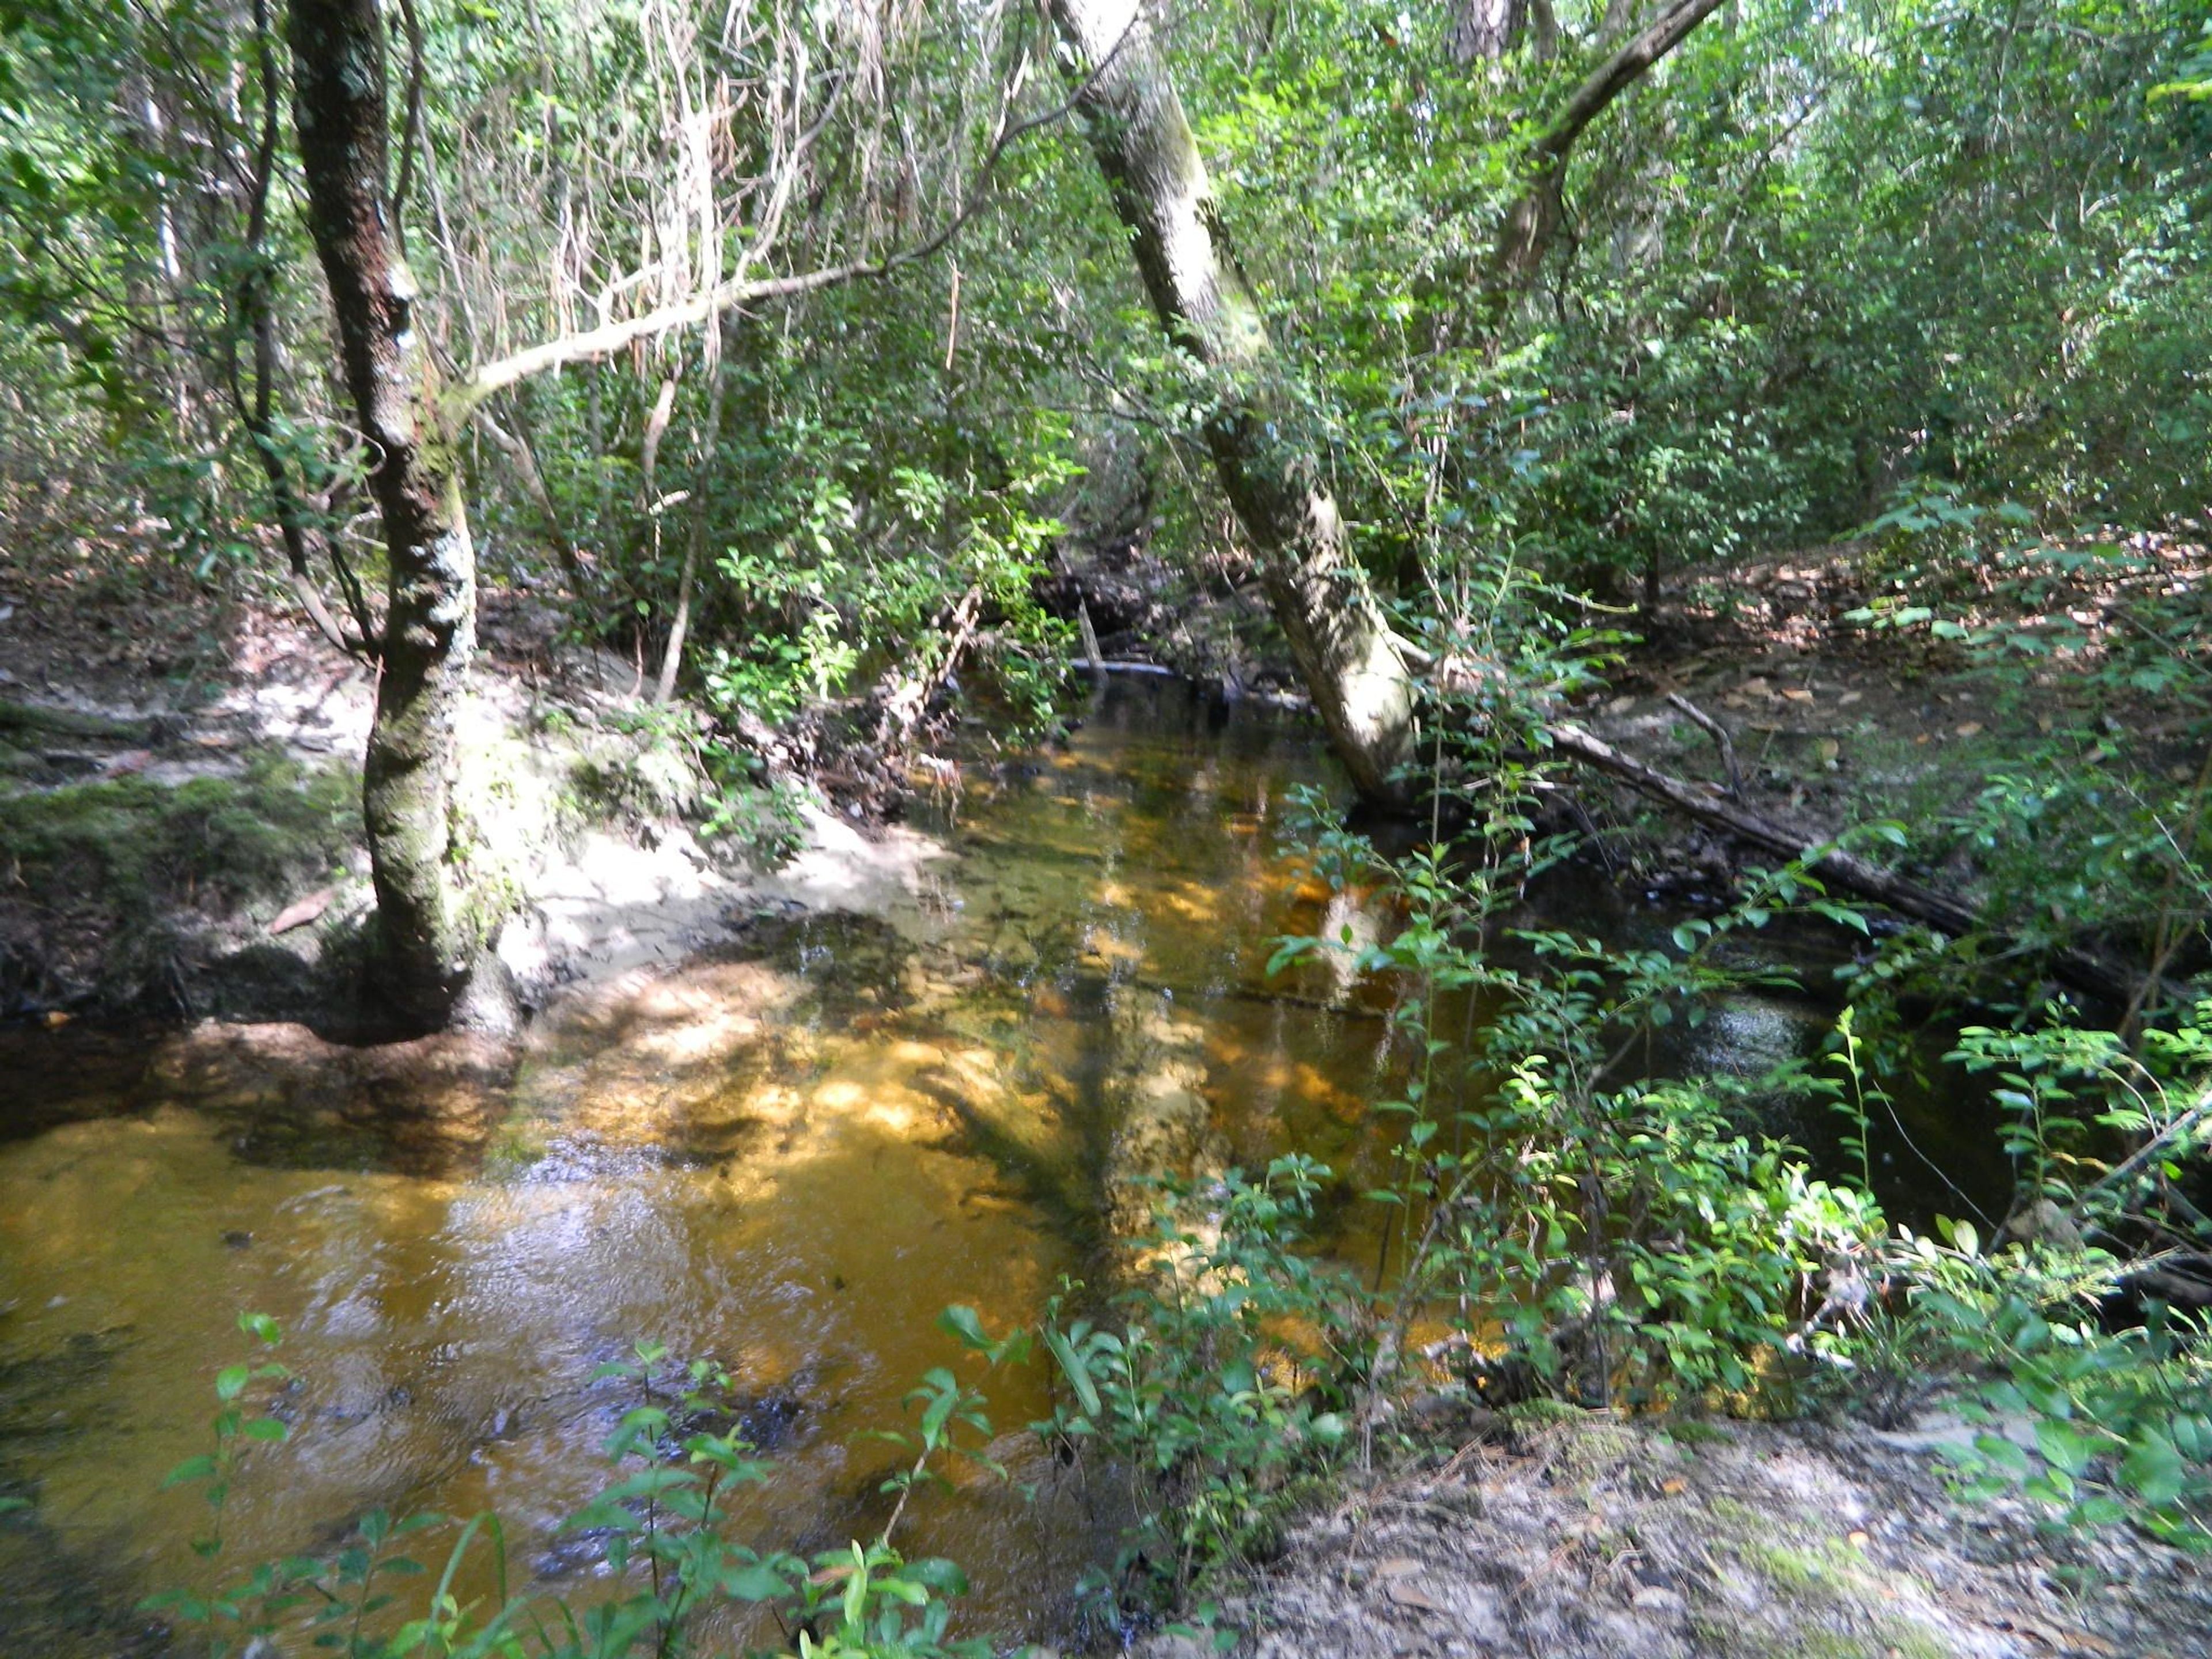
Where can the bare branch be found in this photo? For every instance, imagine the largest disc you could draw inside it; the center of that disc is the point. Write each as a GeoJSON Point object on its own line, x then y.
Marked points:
{"type": "Point", "coordinates": [591, 345]}
{"type": "Point", "coordinates": [1719, 734]}
{"type": "Point", "coordinates": [411, 133]}
{"type": "Point", "coordinates": [610, 337]}
{"type": "Point", "coordinates": [1534, 218]}
{"type": "Point", "coordinates": [517, 447]}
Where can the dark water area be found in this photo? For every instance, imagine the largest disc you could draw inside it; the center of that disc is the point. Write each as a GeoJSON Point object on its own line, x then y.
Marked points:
{"type": "Point", "coordinates": [790, 1154]}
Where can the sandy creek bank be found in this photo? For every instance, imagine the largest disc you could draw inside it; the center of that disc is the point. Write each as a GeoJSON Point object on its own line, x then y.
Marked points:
{"type": "Point", "coordinates": [1554, 1534]}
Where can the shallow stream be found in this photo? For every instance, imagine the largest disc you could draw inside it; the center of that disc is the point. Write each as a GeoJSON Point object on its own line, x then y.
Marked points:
{"type": "Point", "coordinates": [789, 1153]}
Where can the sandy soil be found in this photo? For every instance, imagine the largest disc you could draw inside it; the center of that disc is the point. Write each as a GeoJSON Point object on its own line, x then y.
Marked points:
{"type": "Point", "coordinates": [1574, 1536]}
{"type": "Point", "coordinates": [199, 684]}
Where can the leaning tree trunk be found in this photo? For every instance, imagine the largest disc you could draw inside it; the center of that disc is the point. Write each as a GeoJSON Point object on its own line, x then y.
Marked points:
{"type": "Point", "coordinates": [1319, 594]}
{"type": "Point", "coordinates": [1532, 222]}
{"type": "Point", "coordinates": [429, 630]}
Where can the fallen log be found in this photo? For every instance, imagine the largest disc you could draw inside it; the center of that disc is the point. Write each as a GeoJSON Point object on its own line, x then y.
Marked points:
{"type": "Point", "coordinates": [2083, 970]}
{"type": "Point", "coordinates": [1081, 667]}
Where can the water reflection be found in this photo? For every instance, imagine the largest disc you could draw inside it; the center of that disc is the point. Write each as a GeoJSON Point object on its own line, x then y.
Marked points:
{"type": "Point", "coordinates": [791, 1156]}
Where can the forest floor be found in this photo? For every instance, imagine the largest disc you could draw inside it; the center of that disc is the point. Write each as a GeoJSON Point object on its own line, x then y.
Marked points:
{"type": "Point", "coordinates": [179, 806]}
{"type": "Point", "coordinates": [1834, 722]}
{"type": "Point", "coordinates": [1565, 1534]}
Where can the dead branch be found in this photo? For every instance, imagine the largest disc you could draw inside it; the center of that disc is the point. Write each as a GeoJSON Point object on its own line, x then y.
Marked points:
{"type": "Point", "coordinates": [591, 345]}
{"type": "Point", "coordinates": [1720, 737]}
{"type": "Point", "coordinates": [2083, 970]}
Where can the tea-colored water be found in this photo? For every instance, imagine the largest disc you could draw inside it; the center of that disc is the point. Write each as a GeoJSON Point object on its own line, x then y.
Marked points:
{"type": "Point", "coordinates": [790, 1155]}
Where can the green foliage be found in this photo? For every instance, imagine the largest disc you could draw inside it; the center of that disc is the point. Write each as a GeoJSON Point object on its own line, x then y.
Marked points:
{"type": "Point", "coordinates": [127, 843]}
{"type": "Point", "coordinates": [890, 567]}
{"type": "Point", "coordinates": [1571, 1222]}
{"type": "Point", "coordinates": [1931, 272]}
{"type": "Point", "coordinates": [2097, 1416]}
{"type": "Point", "coordinates": [763, 822]}
{"type": "Point", "coordinates": [2016, 602]}
{"type": "Point", "coordinates": [663, 1518]}
{"type": "Point", "coordinates": [2096, 1424]}
{"type": "Point", "coordinates": [1193, 1391]}
{"type": "Point", "coordinates": [1815, 262]}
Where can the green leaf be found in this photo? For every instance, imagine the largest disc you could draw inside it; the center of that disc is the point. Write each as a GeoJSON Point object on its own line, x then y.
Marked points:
{"type": "Point", "coordinates": [2002, 1452]}
{"type": "Point", "coordinates": [230, 1381]}
{"type": "Point", "coordinates": [856, 1587]}
{"type": "Point", "coordinates": [935, 1415]}
{"type": "Point", "coordinates": [192, 1468]}
{"type": "Point", "coordinates": [2064, 1446]}
{"type": "Point", "coordinates": [2153, 1470]}
{"type": "Point", "coordinates": [759, 1581]}
{"type": "Point", "coordinates": [965, 1326]}
{"type": "Point", "coordinates": [2101, 1511]}
{"type": "Point", "coordinates": [1078, 1375]}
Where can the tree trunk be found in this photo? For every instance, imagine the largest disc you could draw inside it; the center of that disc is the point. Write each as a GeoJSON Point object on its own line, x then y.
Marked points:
{"type": "Point", "coordinates": [1485, 30]}
{"type": "Point", "coordinates": [710, 455]}
{"type": "Point", "coordinates": [1320, 596]}
{"type": "Point", "coordinates": [429, 632]}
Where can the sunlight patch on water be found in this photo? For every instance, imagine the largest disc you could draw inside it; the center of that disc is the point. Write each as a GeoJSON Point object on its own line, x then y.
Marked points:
{"type": "Point", "coordinates": [790, 1155]}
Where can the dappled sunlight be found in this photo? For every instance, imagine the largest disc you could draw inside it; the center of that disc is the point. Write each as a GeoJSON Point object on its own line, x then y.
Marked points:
{"type": "Point", "coordinates": [790, 1155]}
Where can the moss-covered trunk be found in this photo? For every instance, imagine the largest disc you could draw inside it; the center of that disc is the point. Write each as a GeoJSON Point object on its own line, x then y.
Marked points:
{"type": "Point", "coordinates": [1320, 596]}
{"type": "Point", "coordinates": [428, 634]}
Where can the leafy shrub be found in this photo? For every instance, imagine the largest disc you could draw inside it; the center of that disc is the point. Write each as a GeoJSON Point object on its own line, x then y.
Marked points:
{"type": "Point", "coordinates": [662, 1518]}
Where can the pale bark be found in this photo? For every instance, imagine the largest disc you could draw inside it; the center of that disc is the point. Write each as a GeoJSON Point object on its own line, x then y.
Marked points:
{"type": "Point", "coordinates": [429, 630]}
{"type": "Point", "coordinates": [1485, 30]}
{"type": "Point", "coordinates": [592, 343]}
{"type": "Point", "coordinates": [694, 541]}
{"type": "Point", "coordinates": [1320, 596]}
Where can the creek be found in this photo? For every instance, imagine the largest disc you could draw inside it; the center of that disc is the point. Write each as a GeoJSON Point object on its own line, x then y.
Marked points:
{"type": "Point", "coordinates": [789, 1152]}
